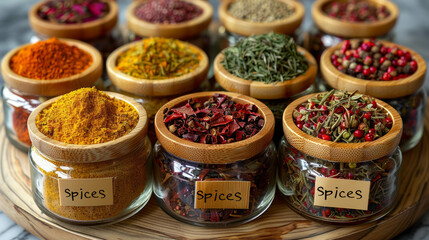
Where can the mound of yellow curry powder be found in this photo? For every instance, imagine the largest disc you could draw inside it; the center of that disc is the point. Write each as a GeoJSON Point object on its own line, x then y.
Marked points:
{"type": "Point", "coordinates": [87, 116]}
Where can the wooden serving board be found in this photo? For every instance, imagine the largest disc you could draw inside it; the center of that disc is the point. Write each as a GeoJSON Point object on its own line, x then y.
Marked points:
{"type": "Point", "coordinates": [276, 223]}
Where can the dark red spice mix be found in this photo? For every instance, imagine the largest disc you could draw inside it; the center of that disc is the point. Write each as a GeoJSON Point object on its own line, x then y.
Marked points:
{"type": "Point", "coordinates": [167, 11]}
{"type": "Point", "coordinates": [356, 11]}
{"type": "Point", "coordinates": [372, 60]}
{"type": "Point", "coordinates": [218, 120]}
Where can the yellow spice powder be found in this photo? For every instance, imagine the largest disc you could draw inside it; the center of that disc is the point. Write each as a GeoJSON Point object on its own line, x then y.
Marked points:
{"type": "Point", "coordinates": [87, 116]}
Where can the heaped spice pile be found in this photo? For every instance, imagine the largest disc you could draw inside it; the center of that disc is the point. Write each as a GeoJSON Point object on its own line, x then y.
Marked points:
{"type": "Point", "coordinates": [356, 11]}
{"type": "Point", "coordinates": [372, 60]}
{"type": "Point", "coordinates": [167, 11]}
{"type": "Point", "coordinates": [73, 11]}
{"type": "Point", "coordinates": [50, 59]}
{"type": "Point", "coordinates": [218, 120]}
{"type": "Point", "coordinates": [260, 10]}
{"type": "Point", "coordinates": [343, 117]}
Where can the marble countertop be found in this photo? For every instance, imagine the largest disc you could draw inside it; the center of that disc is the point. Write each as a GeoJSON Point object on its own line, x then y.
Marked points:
{"type": "Point", "coordinates": [412, 30]}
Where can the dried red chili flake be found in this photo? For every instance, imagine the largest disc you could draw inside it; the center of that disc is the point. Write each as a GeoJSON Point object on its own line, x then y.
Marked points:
{"type": "Point", "coordinates": [356, 11]}
{"type": "Point", "coordinates": [218, 120]}
{"type": "Point", "coordinates": [167, 11]}
{"type": "Point", "coordinates": [372, 60]}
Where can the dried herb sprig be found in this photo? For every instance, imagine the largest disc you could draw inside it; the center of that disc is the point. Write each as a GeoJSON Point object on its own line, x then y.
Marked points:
{"type": "Point", "coordinates": [343, 117]}
{"type": "Point", "coordinates": [269, 58]}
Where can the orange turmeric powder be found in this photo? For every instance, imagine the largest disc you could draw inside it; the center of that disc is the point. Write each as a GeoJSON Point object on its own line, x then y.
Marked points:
{"type": "Point", "coordinates": [87, 116]}
{"type": "Point", "coordinates": [159, 58]}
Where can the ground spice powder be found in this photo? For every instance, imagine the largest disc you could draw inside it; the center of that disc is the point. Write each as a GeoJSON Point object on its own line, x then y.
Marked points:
{"type": "Point", "coordinates": [50, 59]}
{"type": "Point", "coordinates": [87, 116]}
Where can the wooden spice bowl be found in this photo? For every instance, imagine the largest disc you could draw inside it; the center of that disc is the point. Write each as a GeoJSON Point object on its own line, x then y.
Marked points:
{"type": "Point", "coordinates": [54, 87]}
{"type": "Point", "coordinates": [262, 90]}
{"type": "Point", "coordinates": [149, 87]}
{"type": "Point", "coordinates": [341, 152]}
{"type": "Point", "coordinates": [379, 89]}
{"type": "Point", "coordinates": [347, 29]}
{"type": "Point", "coordinates": [181, 30]}
{"type": "Point", "coordinates": [215, 153]}
{"type": "Point", "coordinates": [246, 28]}
{"type": "Point", "coordinates": [92, 152]}
{"type": "Point", "coordinates": [82, 31]}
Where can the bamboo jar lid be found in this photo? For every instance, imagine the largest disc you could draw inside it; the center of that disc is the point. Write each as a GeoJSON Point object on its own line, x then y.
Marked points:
{"type": "Point", "coordinates": [341, 152]}
{"type": "Point", "coordinates": [215, 153]}
{"type": "Point", "coordinates": [379, 89]}
{"type": "Point", "coordinates": [89, 153]}
{"type": "Point", "coordinates": [247, 28]}
{"type": "Point", "coordinates": [82, 31]}
{"type": "Point", "coordinates": [54, 87]}
{"type": "Point", "coordinates": [341, 28]}
{"type": "Point", "coordinates": [164, 87]}
{"type": "Point", "coordinates": [261, 90]}
{"type": "Point", "coordinates": [181, 30]}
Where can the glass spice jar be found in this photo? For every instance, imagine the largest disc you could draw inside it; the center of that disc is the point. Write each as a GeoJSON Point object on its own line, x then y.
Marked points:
{"type": "Point", "coordinates": [154, 93]}
{"type": "Point", "coordinates": [101, 33]}
{"type": "Point", "coordinates": [91, 184]}
{"type": "Point", "coordinates": [312, 169]}
{"type": "Point", "coordinates": [21, 95]}
{"type": "Point", "coordinates": [404, 92]}
{"type": "Point", "coordinates": [329, 30]}
{"type": "Point", "coordinates": [201, 184]}
{"type": "Point", "coordinates": [192, 29]}
{"type": "Point", "coordinates": [234, 28]}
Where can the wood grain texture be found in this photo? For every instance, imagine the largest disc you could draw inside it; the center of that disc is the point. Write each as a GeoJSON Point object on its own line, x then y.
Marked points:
{"type": "Point", "coordinates": [341, 152]}
{"type": "Point", "coordinates": [379, 89]}
{"type": "Point", "coordinates": [156, 88]}
{"type": "Point", "coordinates": [246, 28]}
{"type": "Point", "coordinates": [215, 153]}
{"type": "Point", "coordinates": [183, 30]}
{"type": "Point", "coordinates": [93, 152]}
{"type": "Point", "coordinates": [278, 222]}
{"type": "Point", "coordinates": [262, 90]}
{"type": "Point", "coordinates": [341, 28]}
{"type": "Point", "coordinates": [54, 87]}
{"type": "Point", "coordinates": [83, 31]}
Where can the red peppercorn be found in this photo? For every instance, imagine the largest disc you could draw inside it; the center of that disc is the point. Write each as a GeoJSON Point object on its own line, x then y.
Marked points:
{"type": "Point", "coordinates": [365, 47]}
{"type": "Point", "coordinates": [382, 59]}
{"type": "Point", "coordinates": [387, 76]}
{"type": "Point", "coordinates": [334, 56]}
{"type": "Point", "coordinates": [312, 191]}
{"type": "Point", "coordinates": [390, 69]}
{"type": "Point", "coordinates": [388, 121]}
{"type": "Point", "coordinates": [299, 125]}
{"type": "Point", "coordinates": [373, 69]}
{"type": "Point", "coordinates": [320, 136]}
{"type": "Point", "coordinates": [326, 137]}
{"type": "Point", "coordinates": [367, 115]}
{"type": "Point", "coordinates": [369, 137]}
{"type": "Point", "coordinates": [371, 131]}
{"type": "Point", "coordinates": [413, 65]}
{"type": "Point", "coordinates": [343, 125]}
{"type": "Point", "coordinates": [333, 171]}
{"type": "Point", "coordinates": [324, 171]}
{"type": "Point", "coordinates": [323, 130]}
{"type": "Point", "coordinates": [327, 212]}
{"type": "Point", "coordinates": [350, 175]}
{"type": "Point", "coordinates": [401, 63]}
{"type": "Point", "coordinates": [358, 133]}
{"type": "Point", "coordinates": [383, 50]}
{"type": "Point", "coordinates": [366, 72]}
{"type": "Point", "coordinates": [358, 68]}
{"type": "Point", "coordinates": [374, 104]}
{"type": "Point", "coordinates": [400, 53]}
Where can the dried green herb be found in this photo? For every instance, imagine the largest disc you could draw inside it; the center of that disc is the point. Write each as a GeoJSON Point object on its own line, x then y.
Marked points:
{"type": "Point", "coordinates": [269, 58]}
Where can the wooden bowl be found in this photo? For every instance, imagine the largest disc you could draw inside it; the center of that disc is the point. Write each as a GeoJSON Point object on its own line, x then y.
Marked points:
{"type": "Point", "coordinates": [92, 152]}
{"type": "Point", "coordinates": [215, 153]}
{"type": "Point", "coordinates": [83, 31]}
{"type": "Point", "coordinates": [247, 28]}
{"type": "Point", "coordinates": [341, 152]}
{"type": "Point", "coordinates": [181, 30]}
{"type": "Point", "coordinates": [148, 87]}
{"type": "Point", "coordinates": [261, 90]}
{"type": "Point", "coordinates": [379, 89]}
{"type": "Point", "coordinates": [341, 28]}
{"type": "Point", "coordinates": [54, 87]}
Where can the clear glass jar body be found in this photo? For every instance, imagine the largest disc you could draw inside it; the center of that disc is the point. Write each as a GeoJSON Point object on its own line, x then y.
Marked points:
{"type": "Point", "coordinates": [296, 180]}
{"type": "Point", "coordinates": [17, 107]}
{"type": "Point", "coordinates": [174, 185]}
{"type": "Point", "coordinates": [412, 109]}
{"type": "Point", "coordinates": [131, 181]}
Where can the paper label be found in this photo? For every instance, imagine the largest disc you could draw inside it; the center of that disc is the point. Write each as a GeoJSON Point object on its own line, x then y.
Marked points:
{"type": "Point", "coordinates": [222, 194]}
{"type": "Point", "coordinates": [86, 192]}
{"type": "Point", "coordinates": [341, 193]}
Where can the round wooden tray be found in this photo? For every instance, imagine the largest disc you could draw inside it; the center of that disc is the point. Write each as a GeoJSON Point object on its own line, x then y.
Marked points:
{"type": "Point", "coordinates": [152, 223]}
